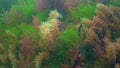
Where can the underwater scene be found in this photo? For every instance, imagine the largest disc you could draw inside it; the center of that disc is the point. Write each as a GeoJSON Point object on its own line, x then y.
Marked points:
{"type": "Point", "coordinates": [59, 33]}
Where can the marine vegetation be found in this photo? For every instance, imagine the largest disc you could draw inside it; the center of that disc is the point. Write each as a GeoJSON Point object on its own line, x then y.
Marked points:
{"type": "Point", "coordinates": [73, 34]}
